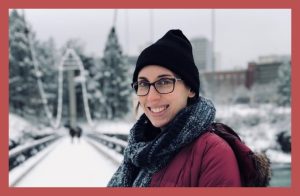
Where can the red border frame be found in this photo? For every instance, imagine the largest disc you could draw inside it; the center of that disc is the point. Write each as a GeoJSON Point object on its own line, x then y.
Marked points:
{"type": "Point", "coordinates": [7, 4]}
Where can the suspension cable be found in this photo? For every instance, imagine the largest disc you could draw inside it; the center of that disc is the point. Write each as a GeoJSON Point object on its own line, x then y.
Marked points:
{"type": "Point", "coordinates": [41, 86]}
{"type": "Point", "coordinates": [37, 73]}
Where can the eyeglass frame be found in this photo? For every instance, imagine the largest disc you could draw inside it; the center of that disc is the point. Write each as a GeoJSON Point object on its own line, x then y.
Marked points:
{"type": "Point", "coordinates": [153, 84]}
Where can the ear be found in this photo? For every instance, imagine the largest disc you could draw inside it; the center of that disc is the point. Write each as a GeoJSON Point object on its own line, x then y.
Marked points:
{"type": "Point", "coordinates": [191, 94]}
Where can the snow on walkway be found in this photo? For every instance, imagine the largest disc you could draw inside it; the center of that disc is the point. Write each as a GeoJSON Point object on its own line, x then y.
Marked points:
{"type": "Point", "coordinates": [75, 164]}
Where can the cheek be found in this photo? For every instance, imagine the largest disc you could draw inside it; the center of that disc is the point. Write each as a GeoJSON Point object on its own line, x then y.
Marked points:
{"type": "Point", "coordinates": [181, 98]}
{"type": "Point", "coordinates": [179, 102]}
{"type": "Point", "coordinates": [183, 104]}
{"type": "Point", "coordinates": [142, 102]}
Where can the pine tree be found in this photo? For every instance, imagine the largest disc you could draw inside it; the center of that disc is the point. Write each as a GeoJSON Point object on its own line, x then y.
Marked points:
{"type": "Point", "coordinates": [114, 83]}
{"type": "Point", "coordinates": [24, 96]}
{"type": "Point", "coordinates": [284, 84]}
{"type": "Point", "coordinates": [47, 57]}
{"type": "Point", "coordinates": [96, 97]}
{"type": "Point", "coordinates": [18, 52]}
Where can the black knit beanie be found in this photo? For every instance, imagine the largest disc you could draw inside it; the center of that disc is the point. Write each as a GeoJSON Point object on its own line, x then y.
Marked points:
{"type": "Point", "coordinates": [174, 52]}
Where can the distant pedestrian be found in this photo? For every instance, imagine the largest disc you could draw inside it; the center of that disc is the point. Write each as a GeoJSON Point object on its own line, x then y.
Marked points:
{"type": "Point", "coordinates": [78, 132]}
{"type": "Point", "coordinates": [72, 133]}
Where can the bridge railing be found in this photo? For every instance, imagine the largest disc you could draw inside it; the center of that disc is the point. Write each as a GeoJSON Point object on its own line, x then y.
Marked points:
{"type": "Point", "coordinates": [116, 144]}
{"type": "Point", "coordinates": [21, 153]}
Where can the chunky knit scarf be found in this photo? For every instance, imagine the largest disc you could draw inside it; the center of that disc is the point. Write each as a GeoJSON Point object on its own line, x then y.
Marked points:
{"type": "Point", "coordinates": [150, 149]}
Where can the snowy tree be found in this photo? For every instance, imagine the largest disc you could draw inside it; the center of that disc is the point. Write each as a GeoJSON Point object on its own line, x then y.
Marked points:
{"type": "Point", "coordinates": [96, 97]}
{"type": "Point", "coordinates": [241, 95]}
{"type": "Point", "coordinates": [47, 57]}
{"type": "Point", "coordinates": [24, 95]}
{"type": "Point", "coordinates": [18, 58]}
{"type": "Point", "coordinates": [284, 84]}
{"type": "Point", "coordinates": [114, 82]}
{"type": "Point", "coordinates": [264, 93]}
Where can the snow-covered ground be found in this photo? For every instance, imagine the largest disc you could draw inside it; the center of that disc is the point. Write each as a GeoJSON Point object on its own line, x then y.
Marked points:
{"type": "Point", "coordinates": [69, 164]}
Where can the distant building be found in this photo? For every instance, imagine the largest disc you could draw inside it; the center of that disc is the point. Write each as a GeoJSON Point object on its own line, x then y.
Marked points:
{"type": "Point", "coordinates": [265, 70]}
{"type": "Point", "coordinates": [202, 52]}
{"type": "Point", "coordinates": [223, 85]}
{"type": "Point", "coordinates": [227, 78]}
{"type": "Point", "coordinates": [273, 58]}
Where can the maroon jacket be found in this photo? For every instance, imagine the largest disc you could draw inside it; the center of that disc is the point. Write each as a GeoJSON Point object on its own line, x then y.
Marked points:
{"type": "Point", "coordinates": [207, 162]}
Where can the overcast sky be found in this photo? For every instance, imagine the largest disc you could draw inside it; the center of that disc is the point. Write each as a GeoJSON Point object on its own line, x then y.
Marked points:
{"type": "Point", "coordinates": [241, 35]}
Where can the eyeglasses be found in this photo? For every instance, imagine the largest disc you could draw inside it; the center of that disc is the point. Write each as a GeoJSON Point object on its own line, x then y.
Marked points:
{"type": "Point", "coordinates": [162, 86]}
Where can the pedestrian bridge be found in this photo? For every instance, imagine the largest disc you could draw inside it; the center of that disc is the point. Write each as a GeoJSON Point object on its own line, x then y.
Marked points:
{"type": "Point", "coordinates": [67, 163]}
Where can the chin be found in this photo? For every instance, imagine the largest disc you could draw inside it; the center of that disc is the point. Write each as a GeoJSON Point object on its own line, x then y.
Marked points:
{"type": "Point", "coordinates": [158, 124]}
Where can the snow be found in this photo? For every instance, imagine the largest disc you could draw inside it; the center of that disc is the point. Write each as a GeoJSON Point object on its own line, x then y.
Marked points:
{"type": "Point", "coordinates": [22, 131]}
{"type": "Point", "coordinates": [112, 154]}
{"type": "Point", "coordinates": [16, 126]}
{"type": "Point", "coordinates": [258, 127]}
{"type": "Point", "coordinates": [69, 164]}
{"type": "Point", "coordinates": [111, 127]}
{"type": "Point", "coordinates": [79, 79]}
{"type": "Point", "coordinates": [17, 173]}
{"type": "Point", "coordinates": [278, 157]}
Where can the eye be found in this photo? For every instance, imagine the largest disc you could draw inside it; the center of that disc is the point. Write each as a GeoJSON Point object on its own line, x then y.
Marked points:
{"type": "Point", "coordinates": [164, 81]}
{"type": "Point", "coordinates": [143, 84]}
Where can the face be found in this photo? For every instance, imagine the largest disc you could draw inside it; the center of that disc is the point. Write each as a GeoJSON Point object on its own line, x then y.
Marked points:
{"type": "Point", "coordinates": [162, 108]}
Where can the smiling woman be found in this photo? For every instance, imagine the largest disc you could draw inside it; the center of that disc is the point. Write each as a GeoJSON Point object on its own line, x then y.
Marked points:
{"type": "Point", "coordinates": [161, 109]}
{"type": "Point", "coordinates": [173, 143]}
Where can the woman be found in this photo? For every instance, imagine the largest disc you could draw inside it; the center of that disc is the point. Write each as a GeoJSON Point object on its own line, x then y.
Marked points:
{"type": "Point", "coordinates": [170, 144]}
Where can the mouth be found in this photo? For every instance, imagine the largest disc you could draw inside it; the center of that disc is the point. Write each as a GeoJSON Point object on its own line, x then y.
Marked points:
{"type": "Point", "coordinates": [158, 110]}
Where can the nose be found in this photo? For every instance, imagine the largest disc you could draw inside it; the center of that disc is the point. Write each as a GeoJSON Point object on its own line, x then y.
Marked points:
{"type": "Point", "coordinates": [153, 94]}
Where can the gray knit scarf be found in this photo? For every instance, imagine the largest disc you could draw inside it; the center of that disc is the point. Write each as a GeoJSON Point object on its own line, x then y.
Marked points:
{"type": "Point", "coordinates": [150, 149]}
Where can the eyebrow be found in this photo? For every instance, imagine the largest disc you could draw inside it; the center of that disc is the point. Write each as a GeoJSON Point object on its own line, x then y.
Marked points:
{"type": "Point", "coordinates": [160, 76]}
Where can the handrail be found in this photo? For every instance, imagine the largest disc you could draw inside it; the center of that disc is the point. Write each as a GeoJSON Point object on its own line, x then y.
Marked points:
{"type": "Point", "coordinates": [111, 142]}
{"type": "Point", "coordinates": [20, 153]}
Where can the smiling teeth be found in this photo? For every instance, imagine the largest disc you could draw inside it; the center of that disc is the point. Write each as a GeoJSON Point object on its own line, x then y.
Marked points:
{"type": "Point", "coordinates": [156, 110]}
